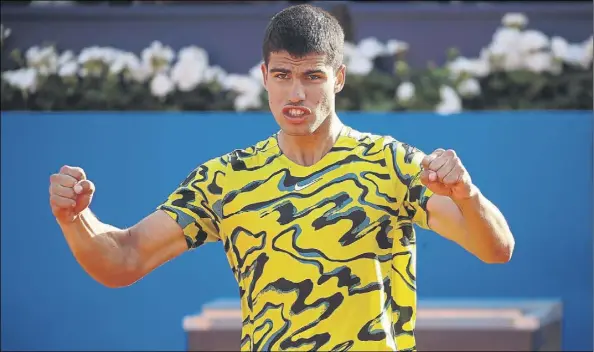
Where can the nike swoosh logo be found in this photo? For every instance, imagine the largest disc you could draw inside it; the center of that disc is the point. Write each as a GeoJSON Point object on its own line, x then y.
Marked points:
{"type": "Point", "coordinates": [299, 188]}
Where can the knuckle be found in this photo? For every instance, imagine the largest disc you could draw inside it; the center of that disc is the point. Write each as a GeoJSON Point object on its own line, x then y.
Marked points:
{"type": "Point", "coordinates": [67, 192]}
{"type": "Point", "coordinates": [64, 169]}
{"type": "Point", "coordinates": [67, 181]}
{"type": "Point", "coordinates": [79, 172]}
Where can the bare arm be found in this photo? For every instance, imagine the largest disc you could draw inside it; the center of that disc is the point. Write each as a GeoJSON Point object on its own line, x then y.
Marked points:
{"type": "Point", "coordinates": [119, 257]}
{"type": "Point", "coordinates": [460, 212]}
{"type": "Point", "coordinates": [114, 257]}
{"type": "Point", "coordinates": [475, 224]}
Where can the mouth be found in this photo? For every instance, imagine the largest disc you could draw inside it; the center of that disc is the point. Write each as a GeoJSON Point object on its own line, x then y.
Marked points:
{"type": "Point", "coordinates": [296, 114]}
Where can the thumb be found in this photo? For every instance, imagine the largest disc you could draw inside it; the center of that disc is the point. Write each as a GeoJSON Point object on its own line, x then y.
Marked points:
{"type": "Point", "coordinates": [84, 187]}
{"type": "Point", "coordinates": [84, 190]}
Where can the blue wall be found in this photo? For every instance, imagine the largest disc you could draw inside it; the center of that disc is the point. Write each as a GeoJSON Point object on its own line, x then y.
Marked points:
{"type": "Point", "coordinates": [536, 166]}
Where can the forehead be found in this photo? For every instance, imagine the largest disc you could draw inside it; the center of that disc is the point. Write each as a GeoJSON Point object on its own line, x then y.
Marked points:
{"type": "Point", "coordinates": [285, 60]}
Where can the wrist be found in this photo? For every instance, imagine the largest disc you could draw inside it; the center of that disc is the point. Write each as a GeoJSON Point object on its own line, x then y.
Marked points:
{"type": "Point", "coordinates": [70, 220]}
{"type": "Point", "coordinates": [473, 197]}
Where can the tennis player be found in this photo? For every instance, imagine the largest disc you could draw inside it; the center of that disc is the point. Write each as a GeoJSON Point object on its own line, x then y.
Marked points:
{"type": "Point", "coordinates": [316, 220]}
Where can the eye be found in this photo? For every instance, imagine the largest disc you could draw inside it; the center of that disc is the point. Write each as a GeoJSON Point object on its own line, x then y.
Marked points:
{"type": "Point", "coordinates": [281, 76]}
{"type": "Point", "coordinates": [314, 77]}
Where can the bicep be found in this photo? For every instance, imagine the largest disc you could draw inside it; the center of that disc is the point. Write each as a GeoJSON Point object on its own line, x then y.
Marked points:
{"type": "Point", "coordinates": [153, 241]}
{"type": "Point", "coordinates": [445, 218]}
{"type": "Point", "coordinates": [188, 218]}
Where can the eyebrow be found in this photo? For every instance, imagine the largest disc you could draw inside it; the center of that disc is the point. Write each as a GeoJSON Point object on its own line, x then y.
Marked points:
{"type": "Point", "coordinates": [283, 70]}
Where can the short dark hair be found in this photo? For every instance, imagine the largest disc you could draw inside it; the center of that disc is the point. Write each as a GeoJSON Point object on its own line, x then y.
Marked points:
{"type": "Point", "coordinates": [305, 29]}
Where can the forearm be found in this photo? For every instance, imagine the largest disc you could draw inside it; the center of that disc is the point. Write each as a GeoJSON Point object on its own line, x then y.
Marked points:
{"type": "Point", "coordinates": [98, 249]}
{"type": "Point", "coordinates": [485, 229]}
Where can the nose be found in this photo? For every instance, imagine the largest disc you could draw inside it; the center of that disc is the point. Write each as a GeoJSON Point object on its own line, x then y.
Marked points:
{"type": "Point", "coordinates": [297, 92]}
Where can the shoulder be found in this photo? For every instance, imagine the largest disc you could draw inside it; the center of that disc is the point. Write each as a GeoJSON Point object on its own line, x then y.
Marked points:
{"type": "Point", "coordinates": [216, 171]}
{"type": "Point", "coordinates": [237, 159]}
{"type": "Point", "coordinates": [250, 152]}
{"type": "Point", "coordinates": [401, 159]}
{"type": "Point", "coordinates": [394, 149]}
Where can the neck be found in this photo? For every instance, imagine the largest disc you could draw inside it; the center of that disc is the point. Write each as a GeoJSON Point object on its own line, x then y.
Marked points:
{"type": "Point", "coordinates": [309, 149]}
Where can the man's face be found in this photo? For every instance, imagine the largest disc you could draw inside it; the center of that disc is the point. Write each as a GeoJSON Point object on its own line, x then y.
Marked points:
{"type": "Point", "coordinates": [301, 91]}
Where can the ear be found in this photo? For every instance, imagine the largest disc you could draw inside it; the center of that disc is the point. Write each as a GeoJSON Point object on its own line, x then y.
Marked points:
{"type": "Point", "coordinates": [264, 74]}
{"type": "Point", "coordinates": [340, 79]}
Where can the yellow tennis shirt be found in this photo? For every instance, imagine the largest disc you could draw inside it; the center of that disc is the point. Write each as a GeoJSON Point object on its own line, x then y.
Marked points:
{"type": "Point", "coordinates": [324, 255]}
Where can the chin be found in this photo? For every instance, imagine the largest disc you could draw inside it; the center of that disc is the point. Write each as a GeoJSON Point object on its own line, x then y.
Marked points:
{"type": "Point", "coordinates": [298, 130]}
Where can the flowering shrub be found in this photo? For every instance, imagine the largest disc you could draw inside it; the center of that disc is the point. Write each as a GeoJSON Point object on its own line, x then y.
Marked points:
{"type": "Point", "coordinates": [102, 78]}
{"type": "Point", "coordinates": [519, 69]}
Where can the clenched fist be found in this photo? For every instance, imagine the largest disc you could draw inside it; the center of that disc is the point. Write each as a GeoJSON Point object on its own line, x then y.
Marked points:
{"type": "Point", "coordinates": [70, 193]}
{"type": "Point", "coordinates": [444, 174]}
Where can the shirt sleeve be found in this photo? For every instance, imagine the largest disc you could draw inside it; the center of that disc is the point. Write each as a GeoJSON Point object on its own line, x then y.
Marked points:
{"type": "Point", "coordinates": [196, 204]}
{"type": "Point", "coordinates": [405, 164]}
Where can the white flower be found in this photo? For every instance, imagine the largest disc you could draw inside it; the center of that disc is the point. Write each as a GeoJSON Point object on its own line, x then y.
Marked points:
{"type": "Point", "coordinates": [244, 102]}
{"type": "Point", "coordinates": [469, 88]}
{"type": "Point", "coordinates": [394, 47]}
{"type": "Point", "coordinates": [588, 47]}
{"type": "Point", "coordinates": [130, 66]}
{"type": "Point", "coordinates": [194, 54]}
{"type": "Point", "coordinates": [69, 69]}
{"type": "Point", "coordinates": [559, 48]}
{"type": "Point", "coordinates": [579, 55]}
{"type": "Point", "coordinates": [504, 51]}
{"type": "Point", "coordinates": [123, 62]}
{"type": "Point", "coordinates": [513, 61]}
{"type": "Point", "coordinates": [242, 84]}
{"type": "Point", "coordinates": [504, 41]}
{"type": "Point", "coordinates": [158, 57]}
{"type": "Point", "coordinates": [405, 91]}
{"type": "Point", "coordinates": [514, 19]}
{"type": "Point", "coordinates": [349, 51]}
{"type": "Point", "coordinates": [532, 40]}
{"type": "Point", "coordinates": [191, 67]}
{"type": "Point", "coordinates": [215, 73]}
{"type": "Point", "coordinates": [479, 67]}
{"type": "Point", "coordinates": [24, 79]}
{"type": "Point", "coordinates": [357, 61]}
{"type": "Point", "coordinates": [458, 66]}
{"type": "Point", "coordinates": [450, 101]}
{"type": "Point", "coordinates": [576, 55]}
{"type": "Point", "coordinates": [188, 73]}
{"type": "Point", "coordinates": [93, 60]}
{"type": "Point", "coordinates": [44, 60]}
{"type": "Point", "coordinates": [66, 57]}
{"type": "Point", "coordinates": [256, 72]}
{"type": "Point", "coordinates": [474, 67]}
{"type": "Point", "coordinates": [96, 54]}
{"type": "Point", "coordinates": [359, 65]}
{"type": "Point", "coordinates": [371, 48]}
{"type": "Point", "coordinates": [140, 73]}
{"type": "Point", "coordinates": [539, 62]}
{"type": "Point", "coordinates": [161, 85]}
